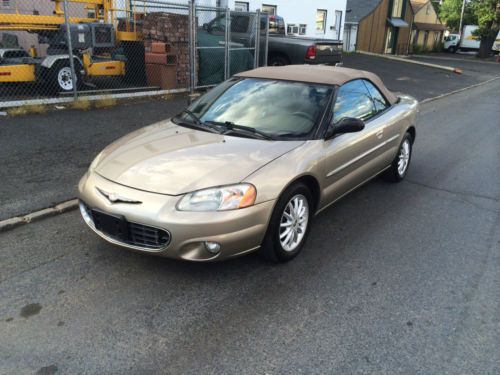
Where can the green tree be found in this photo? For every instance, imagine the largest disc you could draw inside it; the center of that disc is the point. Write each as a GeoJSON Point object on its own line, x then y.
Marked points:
{"type": "Point", "coordinates": [449, 13]}
{"type": "Point", "coordinates": [488, 20]}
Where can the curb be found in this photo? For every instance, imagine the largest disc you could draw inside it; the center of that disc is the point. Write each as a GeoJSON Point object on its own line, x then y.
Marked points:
{"type": "Point", "coordinates": [452, 59]}
{"type": "Point", "coordinates": [406, 60]}
{"type": "Point", "coordinates": [459, 90]}
{"type": "Point", "coordinates": [38, 215]}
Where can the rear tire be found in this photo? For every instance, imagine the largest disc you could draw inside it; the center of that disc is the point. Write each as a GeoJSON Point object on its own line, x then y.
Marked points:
{"type": "Point", "coordinates": [60, 77]}
{"type": "Point", "coordinates": [289, 225]}
{"type": "Point", "coordinates": [278, 60]}
{"type": "Point", "coordinates": [401, 162]}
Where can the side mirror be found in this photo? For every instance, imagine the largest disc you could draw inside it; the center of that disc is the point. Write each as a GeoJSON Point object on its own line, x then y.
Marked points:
{"type": "Point", "coordinates": [346, 125]}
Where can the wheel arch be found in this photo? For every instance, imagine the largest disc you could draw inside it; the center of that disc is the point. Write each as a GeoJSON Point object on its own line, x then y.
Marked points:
{"type": "Point", "coordinates": [311, 183]}
{"type": "Point", "coordinates": [51, 60]}
{"type": "Point", "coordinates": [279, 54]}
{"type": "Point", "coordinates": [413, 133]}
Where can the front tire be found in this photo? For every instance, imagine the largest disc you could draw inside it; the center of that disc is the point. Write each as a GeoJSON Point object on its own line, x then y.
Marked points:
{"type": "Point", "coordinates": [289, 225]}
{"type": "Point", "coordinates": [401, 162]}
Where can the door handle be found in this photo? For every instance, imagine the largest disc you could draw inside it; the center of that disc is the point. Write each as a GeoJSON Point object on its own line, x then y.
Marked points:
{"type": "Point", "coordinates": [379, 134]}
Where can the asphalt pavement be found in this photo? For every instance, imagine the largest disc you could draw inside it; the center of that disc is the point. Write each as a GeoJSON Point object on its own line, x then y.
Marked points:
{"type": "Point", "coordinates": [44, 155]}
{"type": "Point", "coordinates": [424, 82]}
{"type": "Point", "coordinates": [395, 278]}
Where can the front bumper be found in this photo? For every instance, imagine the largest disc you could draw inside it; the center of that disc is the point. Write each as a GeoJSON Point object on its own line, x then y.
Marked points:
{"type": "Point", "coordinates": [237, 231]}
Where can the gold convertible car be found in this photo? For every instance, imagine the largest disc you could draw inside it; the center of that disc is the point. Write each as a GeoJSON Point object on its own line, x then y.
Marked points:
{"type": "Point", "coordinates": [249, 163]}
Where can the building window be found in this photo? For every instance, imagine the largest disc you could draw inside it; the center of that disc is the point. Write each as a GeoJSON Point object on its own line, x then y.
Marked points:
{"type": "Point", "coordinates": [321, 20]}
{"type": "Point", "coordinates": [269, 9]}
{"type": "Point", "coordinates": [241, 6]}
{"type": "Point", "coordinates": [5, 3]}
{"type": "Point", "coordinates": [397, 9]}
{"type": "Point", "coordinates": [292, 29]}
{"type": "Point", "coordinates": [428, 9]}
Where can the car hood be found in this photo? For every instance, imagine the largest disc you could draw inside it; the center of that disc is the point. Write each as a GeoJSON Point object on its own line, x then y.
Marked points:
{"type": "Point", "coordinates": [169, 159]}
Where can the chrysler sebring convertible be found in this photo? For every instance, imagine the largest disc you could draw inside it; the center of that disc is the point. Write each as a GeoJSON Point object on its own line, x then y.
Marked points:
{"type": "Point", "coordinates": [246, 166]}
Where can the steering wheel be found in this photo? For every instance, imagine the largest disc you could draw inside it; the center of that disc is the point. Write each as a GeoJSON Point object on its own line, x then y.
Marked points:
{"type": "Point", "coordinates": [305, 115]}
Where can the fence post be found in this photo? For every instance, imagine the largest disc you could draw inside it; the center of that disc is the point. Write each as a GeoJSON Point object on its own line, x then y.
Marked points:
{"type": "Point", "coordinates": [227, 44]}
{"type": "Point", "coordinates": [257, 39]}
{"type": "Point", "coordinates": [192, 45]}
{"type": "Point", "coordinates": [266, 44]}
{"type": "Point", "coordinates": [70, 47]}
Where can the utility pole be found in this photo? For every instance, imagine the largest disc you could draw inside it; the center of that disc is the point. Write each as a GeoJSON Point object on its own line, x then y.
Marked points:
{"type": "Point", "coordinates": [461, 18]}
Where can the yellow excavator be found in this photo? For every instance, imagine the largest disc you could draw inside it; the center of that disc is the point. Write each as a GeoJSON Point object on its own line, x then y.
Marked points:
{"type": "Point", "coordinates": [102, 44]}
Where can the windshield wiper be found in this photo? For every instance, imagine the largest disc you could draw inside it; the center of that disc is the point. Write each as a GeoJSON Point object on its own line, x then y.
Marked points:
{"type": "Point", "coordinates": [199, 123]}
{"type": "Point", "coordinates": [247, 130]}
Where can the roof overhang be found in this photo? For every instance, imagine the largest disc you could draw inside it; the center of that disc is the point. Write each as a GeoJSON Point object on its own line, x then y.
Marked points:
{"type": "Point", "coordinates": [397, 22]}
{"type": "Point", "coordinates": [429, 26]}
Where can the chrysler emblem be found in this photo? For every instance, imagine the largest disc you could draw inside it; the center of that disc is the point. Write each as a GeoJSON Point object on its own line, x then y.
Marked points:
{"type": "Point", "coordinates": [115, 198]}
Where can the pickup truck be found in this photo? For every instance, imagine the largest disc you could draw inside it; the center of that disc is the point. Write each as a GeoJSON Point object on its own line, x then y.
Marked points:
{"type": "Point", "coordinates": [282, 49]}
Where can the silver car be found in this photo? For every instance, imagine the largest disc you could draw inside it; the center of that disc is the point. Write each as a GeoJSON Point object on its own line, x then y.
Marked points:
{"type": "Point", "coordinates": [248, 164]}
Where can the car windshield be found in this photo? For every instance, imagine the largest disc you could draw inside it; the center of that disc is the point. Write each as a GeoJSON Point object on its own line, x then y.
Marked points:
{"type": "Point", "coordinates": [279, 109]}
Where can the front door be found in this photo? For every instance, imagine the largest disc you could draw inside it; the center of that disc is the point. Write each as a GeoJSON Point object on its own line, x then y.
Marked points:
{"type": "Point", "coordinates": [352, 158]}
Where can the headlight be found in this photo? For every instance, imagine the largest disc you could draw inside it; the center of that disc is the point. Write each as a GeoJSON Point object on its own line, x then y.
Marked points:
{"type": "Point", "coordinates": [219, 199]}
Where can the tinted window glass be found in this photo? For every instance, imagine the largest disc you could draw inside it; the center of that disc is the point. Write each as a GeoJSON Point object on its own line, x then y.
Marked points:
{"type": "Point", "coordinates": [239, 24]}
{"type": "Point", "coordinates": [15, 54]}
{"type": "Point", "coordinates": [218, 24]}
{"type": "Point", "coordinates": [378, 99]}
{"type": "Point", "coordinates": [353, 100]}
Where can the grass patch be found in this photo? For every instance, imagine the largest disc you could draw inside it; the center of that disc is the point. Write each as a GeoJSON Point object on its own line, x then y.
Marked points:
{"type": "Point", "coordinates": [27, 110]}
{"type": "Point", "coordinates": [105, 102]}
{"type": "Point", "coordinates": [17, 111]}
{"type": "Point", "coordinates": [81, 104]}
{"type": "Point", "coordinates": [168, 97]}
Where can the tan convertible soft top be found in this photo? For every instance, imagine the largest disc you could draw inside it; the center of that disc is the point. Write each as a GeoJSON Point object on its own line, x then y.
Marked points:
{"type": "Point", "coordinates": [329, 75]}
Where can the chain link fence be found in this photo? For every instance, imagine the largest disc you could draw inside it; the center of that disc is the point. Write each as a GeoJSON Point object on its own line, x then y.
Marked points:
{"type": "Point", "coordinates": [66, 49]}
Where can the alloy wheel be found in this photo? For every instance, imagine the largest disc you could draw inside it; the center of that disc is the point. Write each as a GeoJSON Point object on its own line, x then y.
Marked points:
{"type": "Point", "coordinates": [293, 223]}
{"type": "Point", "coordinates": [404, 157]}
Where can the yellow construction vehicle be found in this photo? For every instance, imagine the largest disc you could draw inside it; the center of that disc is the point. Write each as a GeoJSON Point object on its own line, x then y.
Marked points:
{"type": "Point", "coordinates": [99, 49]}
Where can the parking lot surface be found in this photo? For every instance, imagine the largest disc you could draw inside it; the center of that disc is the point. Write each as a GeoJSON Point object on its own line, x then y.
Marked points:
{"type": "Point", "coordinates": [394, 279]}
{"type": "Point", "coordinates": [423, 82]}
{"type": "Point", "coordinates": [43, 156]}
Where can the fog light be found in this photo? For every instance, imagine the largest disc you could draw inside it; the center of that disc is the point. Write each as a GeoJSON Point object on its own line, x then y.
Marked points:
{"type": "Point", "coordinates": [212, 247]}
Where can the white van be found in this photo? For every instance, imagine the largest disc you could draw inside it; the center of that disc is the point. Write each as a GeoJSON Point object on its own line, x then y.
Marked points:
{"type": "Point", "coordinates": [468, 42]}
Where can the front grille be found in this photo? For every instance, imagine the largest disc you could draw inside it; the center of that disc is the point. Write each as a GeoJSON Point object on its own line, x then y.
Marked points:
{"type": "Point", "coordinates": [143, 235]}
{"type": "Point", "coordinates": [129, 233]}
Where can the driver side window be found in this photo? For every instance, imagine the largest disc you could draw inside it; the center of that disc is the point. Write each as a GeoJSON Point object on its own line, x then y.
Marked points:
{"type": "Point", "coordinates": [353, 100]}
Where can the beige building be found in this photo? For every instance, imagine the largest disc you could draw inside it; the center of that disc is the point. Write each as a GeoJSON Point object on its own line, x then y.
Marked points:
{"type": "Point", "coordinates": [42, 7]}
{"type": "Point", "coordinates": [427, 30]}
